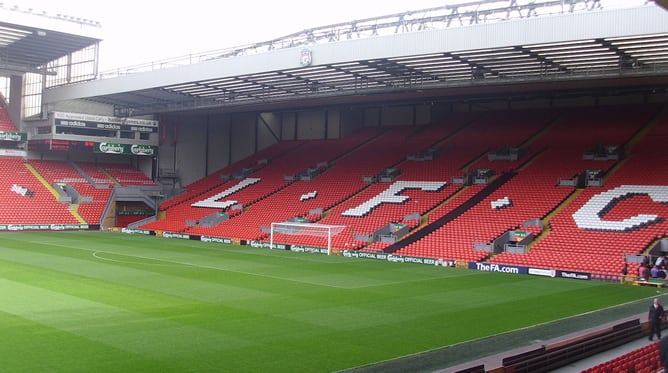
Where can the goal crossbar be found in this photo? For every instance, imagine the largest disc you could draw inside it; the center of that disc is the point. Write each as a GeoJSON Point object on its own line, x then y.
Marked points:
{"type": "Point", "coordinates": [309, 229]}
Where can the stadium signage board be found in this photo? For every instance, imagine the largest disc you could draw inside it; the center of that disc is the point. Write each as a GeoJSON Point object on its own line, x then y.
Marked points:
{"type": "Point", "coordinates": [13, 153]}
{"type": "Point", "coordinates": [216, 240]}
{"type": "Point", "coordinates": [308, 249]}
{"type": "Point", "coordinates": [390, 257]}
{"type": "Point", "coordinates": [134, 213]}
{"type": "Point", "coordinates": [265, 245]}
{"type": "Point", "coordinates": [104, 126]}
{"type": "Point", "coordinates": [137, 231]}
{"type": "Point", "coordinates": [543, 272]}
{"type": "Point", "coordinates": [58, 144]}
{"type": "Point", "coordinates": [365, 255]}
{"type": "Point", "coordinates": [461, 264]}
{"type": "Point", "coordinates": [502, 268]}
{"type": "Point", "coordinates": [12, 136]}
{"type": "Point", "coordinates": [126, 149]}
{"type": "Point", "coordinates": [574, 275]}
{"type": "Point", "coordinates": [104, 122]}
{"type": "Point", "coordinates": [43, 227]}
{"type": "Point", "coordinates": [410, 259]}
{"type": "Point", "coordinates": [176, 235]}
{"type": "Point", "coordinates": [143, 149]}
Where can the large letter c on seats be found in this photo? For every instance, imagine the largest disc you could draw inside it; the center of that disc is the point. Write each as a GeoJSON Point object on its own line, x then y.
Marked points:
{"type": "Point", "coordinates": [590, 215]}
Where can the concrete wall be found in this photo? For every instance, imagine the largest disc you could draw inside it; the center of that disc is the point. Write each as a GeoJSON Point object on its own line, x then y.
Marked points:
{"type": "Point", "coordinates": [311, 125]}
{"type": "Point", "coordinates": [219, 128]}
{"type": "Point", "coordinates": [397, 116]}
{"type": "Point", "coordinates": [82, 107]}
{"type": "Point", "coordinates": [15, 107]}
{"type": "Point", "coordinates": [351, 121]}
{"type": "Point", "coordinates": [190, 142]}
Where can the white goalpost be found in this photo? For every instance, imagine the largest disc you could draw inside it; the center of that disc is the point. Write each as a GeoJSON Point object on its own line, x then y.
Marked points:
{"type": "Point", "coordinates": [308, 229]}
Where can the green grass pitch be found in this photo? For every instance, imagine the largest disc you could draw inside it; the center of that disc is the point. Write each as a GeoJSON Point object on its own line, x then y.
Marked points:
{"type": "Point", "coordinates": [105, 302]}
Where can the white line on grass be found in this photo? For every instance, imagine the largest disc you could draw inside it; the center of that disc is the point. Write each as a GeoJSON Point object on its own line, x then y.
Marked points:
{"type": "Point", "coordinates": [97, 256]}
{"type": "Point", "coordinates": [179, 263]}
{"type": "Point", "coordinates": [95, 253]}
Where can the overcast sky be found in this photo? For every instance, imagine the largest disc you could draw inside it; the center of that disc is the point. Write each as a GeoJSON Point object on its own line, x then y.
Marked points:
{"type": "Point", "coordinates": [142, 31]}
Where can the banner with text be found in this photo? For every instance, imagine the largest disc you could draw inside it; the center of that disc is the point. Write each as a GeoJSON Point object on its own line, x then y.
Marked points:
{"type": "Point", "coordinates": [502, 268]}
{"type": "Point", "coordinates": [12, 136]}
{"type": "Point", "coordinates": [125, 149]}
{"type": "Point", "coordinates": [77, 120]}
{"type": "Point", "coordinates": [46, 227]}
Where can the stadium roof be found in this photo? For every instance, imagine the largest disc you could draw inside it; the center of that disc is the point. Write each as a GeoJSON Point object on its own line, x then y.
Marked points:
{"type": "Point", "coordinates": [30, 39]}
{"type": "Point", "coordinates": [600, 49]}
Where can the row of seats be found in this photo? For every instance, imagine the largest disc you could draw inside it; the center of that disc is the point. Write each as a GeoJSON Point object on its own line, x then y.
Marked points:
{"type": "Point", "coordinates": [127, 175]}
{"type": "Point", "coordinates": [216, 179]}
{"type": "Point", "coordinates": [641, 360]}
{"type": "Point", "coordinates": [43, 206]}
{"type": "Point", "coordinates": [37, 206]}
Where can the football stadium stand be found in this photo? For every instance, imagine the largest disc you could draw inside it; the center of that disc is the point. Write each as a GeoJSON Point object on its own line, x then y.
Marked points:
{"type": "Point", "coordinates": [438, 143]}
{"type": "Point", "coordinates": [25, 199]}
{"type": "Point", "coordinates": [567, 244]}
{"type": "Point", "coordinates": [355, 173]}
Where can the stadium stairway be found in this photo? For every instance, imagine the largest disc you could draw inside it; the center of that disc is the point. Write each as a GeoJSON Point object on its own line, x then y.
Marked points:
{"type": "Point", "coordinates": [74, 211]}
{"type": "Point", "coordinates": [41, 179]}
{"type": "Point", "coordinates": [482, 194]}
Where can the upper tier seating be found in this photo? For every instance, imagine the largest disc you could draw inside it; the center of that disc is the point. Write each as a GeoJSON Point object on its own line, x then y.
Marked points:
{"type": "Point", "coordinates": [96, 174]}
{"type": "Point", "coordinates": [127, 175]}
{"type": "Point", "coordinates": [62, 172]}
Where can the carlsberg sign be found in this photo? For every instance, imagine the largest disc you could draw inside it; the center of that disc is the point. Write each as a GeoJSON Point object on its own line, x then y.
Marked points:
{"type": "Point", "coordinates": [142, 149]}
{"type": "Point", "coordinates": [127, 149]}
{"type": "Point", "coordinates": [108, 148]}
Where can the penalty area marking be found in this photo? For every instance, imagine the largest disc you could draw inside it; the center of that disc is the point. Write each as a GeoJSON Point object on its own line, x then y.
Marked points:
{"type": "Point", "coordinates": [96, 255]}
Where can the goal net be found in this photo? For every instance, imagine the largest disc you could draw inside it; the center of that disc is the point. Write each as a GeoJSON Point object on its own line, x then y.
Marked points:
{"type": "Point", "coordinates": [306, 229]}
